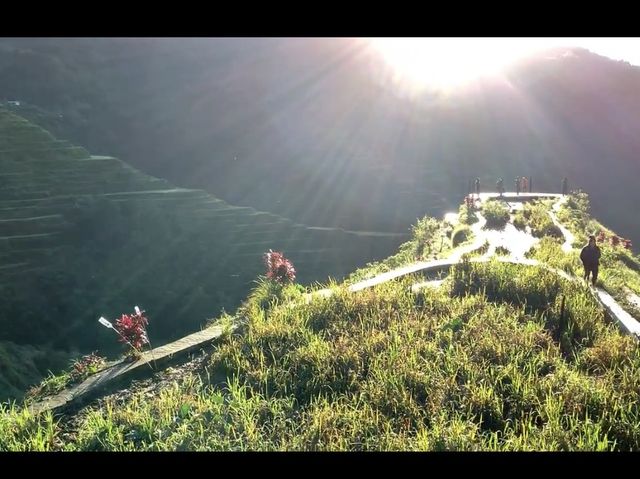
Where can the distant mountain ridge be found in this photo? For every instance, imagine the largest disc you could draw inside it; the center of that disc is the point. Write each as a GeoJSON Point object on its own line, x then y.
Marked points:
{"type": "Point", "coordinates": [311, 129]}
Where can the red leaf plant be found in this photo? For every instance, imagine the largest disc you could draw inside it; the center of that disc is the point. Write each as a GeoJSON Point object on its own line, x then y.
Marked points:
{"type": "Point", "coordinates": [470, 202]}
{"type": "Point", "coordinates": [87, 365]}
{"type": "Point", "coordinates": [279, 268]}
{"type": "Point", "coordinates": [132, 329]}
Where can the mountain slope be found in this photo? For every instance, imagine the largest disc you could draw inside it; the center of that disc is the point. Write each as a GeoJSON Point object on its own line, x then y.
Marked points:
{"type": "Point", "coordinates": [313, 130]}
{"type": "Point", "coordinates": [83, 236]}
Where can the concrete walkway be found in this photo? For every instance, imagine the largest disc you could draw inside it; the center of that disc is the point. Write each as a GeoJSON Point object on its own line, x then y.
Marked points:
{"type": "Point", "coordinates": [625, 320]}
{"type": "Point", "coordinates": [569, 238]}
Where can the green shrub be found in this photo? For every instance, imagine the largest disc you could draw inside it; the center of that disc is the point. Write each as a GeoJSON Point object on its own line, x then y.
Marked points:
{"type": "Point", "coordinates": [496, 213]}
{"type": "Point", "coordinates": [519, 221]}
{"type": "Point", "coordinates": [425, 235]}
{"type": "Point", "coordinates": [460, 234]}
{"type": "Point", "coordinates": [466, 215]}
{"type": "Point", "coordinates": [535, 214]}
{"type": "Point", "coordinates": [480, 251]}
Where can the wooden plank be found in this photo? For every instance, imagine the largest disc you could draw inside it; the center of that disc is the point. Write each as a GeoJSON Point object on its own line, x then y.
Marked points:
{"type": "Point", "coordinates": [150, 362]}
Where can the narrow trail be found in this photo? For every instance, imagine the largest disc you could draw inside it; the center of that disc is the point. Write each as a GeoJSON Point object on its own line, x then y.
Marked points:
{"type": "Point", "coordinates": [569, 238]}
{"type": "Point", "coordinates": [518, 243]}
{"type": "Point", "coordinates": [626, 320]}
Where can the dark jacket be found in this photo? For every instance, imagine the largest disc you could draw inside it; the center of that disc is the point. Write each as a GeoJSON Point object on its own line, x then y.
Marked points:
{"type": "Point", "coordinates": [590, 256]}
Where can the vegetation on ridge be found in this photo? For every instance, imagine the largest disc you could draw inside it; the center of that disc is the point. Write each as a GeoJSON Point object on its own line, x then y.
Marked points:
{"type": "Point", "coordinates": [499, 357]}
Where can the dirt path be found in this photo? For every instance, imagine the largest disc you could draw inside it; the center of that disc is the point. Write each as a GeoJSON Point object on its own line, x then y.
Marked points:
{"type": "Point", "coordinates": [569, 238]}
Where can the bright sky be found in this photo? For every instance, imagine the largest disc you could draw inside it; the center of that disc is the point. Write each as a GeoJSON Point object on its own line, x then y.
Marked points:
{"type": "Point", "coordinates": [618, 48]}
{"type": "Point", "coordinates": [450, 62]}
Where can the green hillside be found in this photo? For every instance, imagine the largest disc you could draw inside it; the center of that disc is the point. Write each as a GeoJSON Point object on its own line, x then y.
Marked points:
{"type": "Point", "coordinates": [83, 236]}
{"type": "Point", "coordinates": [491, 356]}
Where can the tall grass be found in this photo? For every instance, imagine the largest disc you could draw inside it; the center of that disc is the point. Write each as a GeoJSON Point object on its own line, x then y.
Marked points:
{"type": "Point", "coordinates": [500, 357]}
{"type": "Point", "coordinates": [491, 361]}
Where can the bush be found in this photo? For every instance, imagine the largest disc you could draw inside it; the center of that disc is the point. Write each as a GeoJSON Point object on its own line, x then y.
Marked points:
{"type": "Point", "coordinates": [279, 268]}
{"type": "Point", "coordinates": [466, 215]}
{"type": "Point", "coordinates": [425, 232]}
{"type": "Point", "coordinates": [519, 221]}
{"type": "Point", "coordinates": [496, 213]}
{"type": "Point", "coordinates": [86, 366]}
{"type": "Point", "coordinates": [480, 251]}
{"type": "Point", "coordinates": [536, 216]}
{"type": "Point", "coordinates": [460, 234]}
{"type": "Point", "coordinates": [132, 330]}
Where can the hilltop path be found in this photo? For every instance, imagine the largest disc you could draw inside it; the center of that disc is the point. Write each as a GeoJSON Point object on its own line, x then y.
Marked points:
{"type": "Point", "coordinates": [517, 242]}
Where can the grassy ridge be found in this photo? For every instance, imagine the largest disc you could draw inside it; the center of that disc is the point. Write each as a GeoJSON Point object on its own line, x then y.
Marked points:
{"type": "Point", "coordinates": [430, 239]}
{"type": "Point", "coordinates": [488, 362]}
{"type": "Point", "coordinates": [500, 357]}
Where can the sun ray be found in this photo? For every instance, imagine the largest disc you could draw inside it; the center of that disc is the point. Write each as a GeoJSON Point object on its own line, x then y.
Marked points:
{"type": "Point", "coordinates": [446, 64]}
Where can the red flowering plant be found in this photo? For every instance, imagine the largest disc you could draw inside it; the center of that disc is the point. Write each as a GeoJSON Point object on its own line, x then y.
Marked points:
{"type": "Point", "coordinates": [470, 202]}
{"type": "Point", "coordinates": [132, 330]}
{"type": "Point", "coordinates": [279, 268]}
{"type": "Point", "coordinates": [614, 240]}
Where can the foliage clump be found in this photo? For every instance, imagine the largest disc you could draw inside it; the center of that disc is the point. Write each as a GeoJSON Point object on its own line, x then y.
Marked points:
{"type": "Point", "coordinates": [496, 214]}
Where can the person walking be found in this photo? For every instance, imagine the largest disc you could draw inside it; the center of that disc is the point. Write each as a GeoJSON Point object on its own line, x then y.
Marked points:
{"type": "Point", "coordinates": [477, 184]}
{"type": "Point", "coordinates": [518, 186]}
{"type": "Point", "coordinates": [565, 186]}
{"type": "Point", "coordinates": [590, 257]}
{"type": "Point", "coordinates": [500, 186]}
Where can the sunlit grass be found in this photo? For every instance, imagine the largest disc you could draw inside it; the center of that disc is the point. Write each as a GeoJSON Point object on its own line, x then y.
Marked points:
{"type": "Point", "coordinates": [490, 361]}
{"type": "Point", "coordinates": [500, 357]}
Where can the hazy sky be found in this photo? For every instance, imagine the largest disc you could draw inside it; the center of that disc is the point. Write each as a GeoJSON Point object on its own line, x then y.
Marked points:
{"type": "Point", "coordinates": [451, 62]}
{"type": "Point", "coordinates": [618, 48]}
